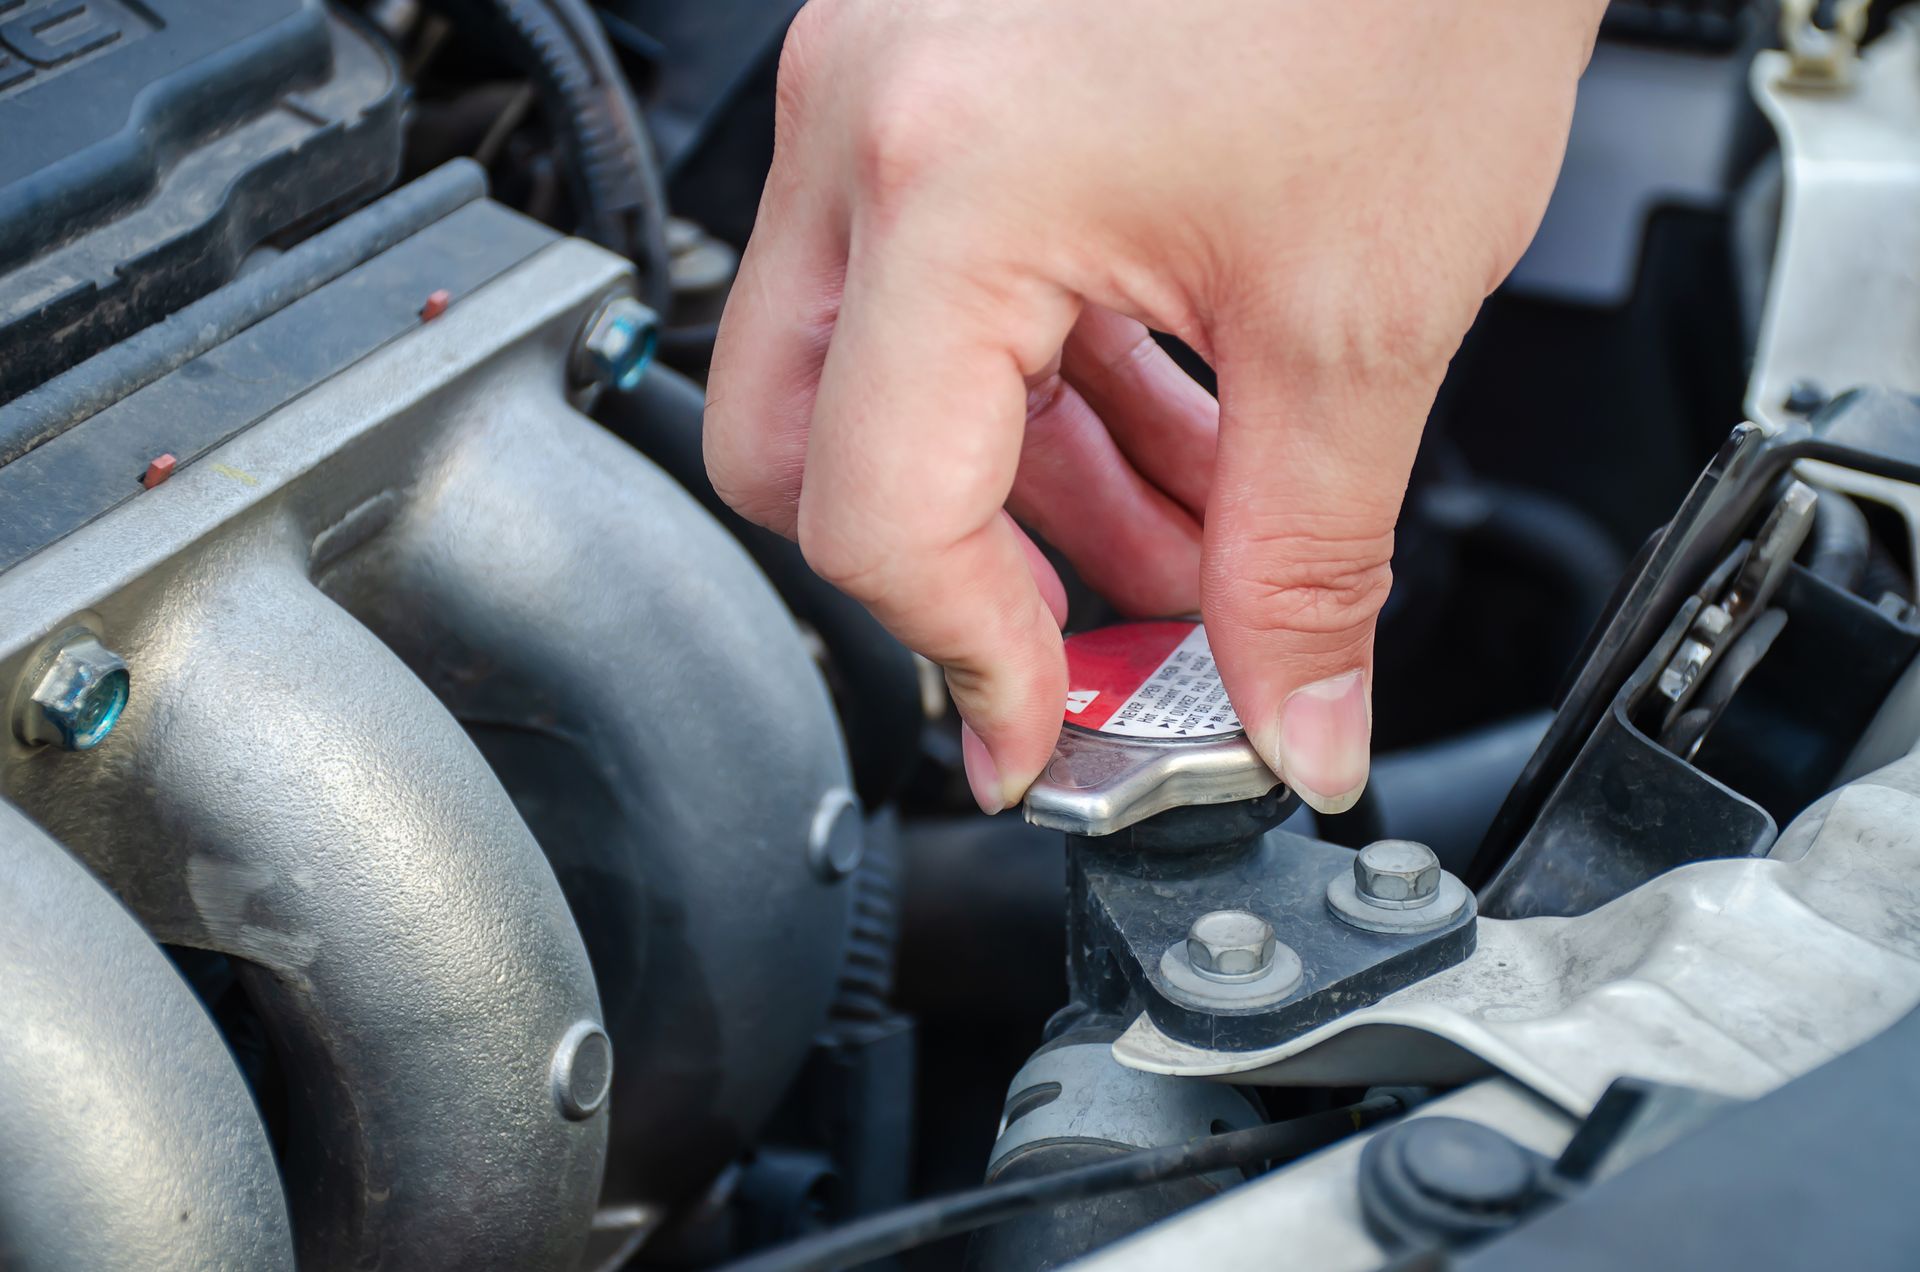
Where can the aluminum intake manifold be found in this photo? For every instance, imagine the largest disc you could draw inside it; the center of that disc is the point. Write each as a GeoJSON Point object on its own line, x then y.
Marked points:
{"type": "Point", "coordinates": [473, 744]}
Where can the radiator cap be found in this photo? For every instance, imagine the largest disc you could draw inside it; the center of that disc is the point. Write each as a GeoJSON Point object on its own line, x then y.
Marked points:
{"type": "Point", "coordinates": [1147, 727]}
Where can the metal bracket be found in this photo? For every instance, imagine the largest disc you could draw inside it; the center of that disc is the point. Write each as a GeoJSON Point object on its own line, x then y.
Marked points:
{"type": "Point", "coordinates": [1841, 311]}
{"type": "Point", "coordinates": [1284, 879]}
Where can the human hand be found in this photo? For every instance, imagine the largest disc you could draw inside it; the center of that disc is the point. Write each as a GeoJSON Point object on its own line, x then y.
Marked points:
{"type": "Point", "coordinates": [978, 207]}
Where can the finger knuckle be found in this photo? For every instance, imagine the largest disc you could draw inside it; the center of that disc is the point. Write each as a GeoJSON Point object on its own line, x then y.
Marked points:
{"type": "Point", "coordinates": [1045, 396]}
{"type": "Point", "coordinates": [1375, 321]}
{"type": "Point", "coordinates": [893, 148]}
{"type": "Point", "coordinates": [1309, 584]}
{"type": "Point", "coordinates": [1385, 336]}
{"type": "Point", "coordinates": [914, 117]}
{"type": "Point", "coordinates": [853, 562]}
{"type": "Point", "coordinates": [1131, 361]}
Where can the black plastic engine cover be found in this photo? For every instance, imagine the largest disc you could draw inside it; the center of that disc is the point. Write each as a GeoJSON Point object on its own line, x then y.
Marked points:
{"type": "Point", "coordinates": [145, 148]}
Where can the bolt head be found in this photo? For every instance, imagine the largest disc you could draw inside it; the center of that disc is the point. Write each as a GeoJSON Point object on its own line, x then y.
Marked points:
{"type": "Point", "coordinates": [618, 344]}
{"type": "Point", "coordinates": [1230, 945]}
{"type": "Point", "coordinates": [78, 696]}
{"type": "Point", "coordinates": [1396, 874]}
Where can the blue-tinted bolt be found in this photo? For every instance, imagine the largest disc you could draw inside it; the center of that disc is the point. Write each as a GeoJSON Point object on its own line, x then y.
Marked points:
{"type": "Point", "coordinates": [76, 700]}
{"type": "Point", "coordinates": [617, 346]}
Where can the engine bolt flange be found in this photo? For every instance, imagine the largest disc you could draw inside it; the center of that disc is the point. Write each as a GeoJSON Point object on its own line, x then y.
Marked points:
{"type": "Point", "coordinates": [617, 344]}
{"type": "Point", "coordinates": [75, 693]}
{"type": "Point", "coordinates": [582, 1070]}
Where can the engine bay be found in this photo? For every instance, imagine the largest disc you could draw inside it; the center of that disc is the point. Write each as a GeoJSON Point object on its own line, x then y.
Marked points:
{"type": "Point", "coordinates": [439, 832]}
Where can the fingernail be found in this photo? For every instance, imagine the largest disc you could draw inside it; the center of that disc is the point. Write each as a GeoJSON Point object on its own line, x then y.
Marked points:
{"type": "Point", "coordinates": [1322, 739]}
{"type": "Point", "coordinates": [983, 775]}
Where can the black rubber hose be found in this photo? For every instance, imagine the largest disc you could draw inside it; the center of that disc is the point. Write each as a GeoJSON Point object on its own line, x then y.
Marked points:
{"type": "Point", "coordinates": [872, 676]}
{"type": "Point", "coordinates": [1840, 543]}
{"type": "Point", "coordinates": [916, 1225]}
{"type": "Point", "coordinates": [1568, 547]}
{"type": "Point", "coordinates": [616, 183]}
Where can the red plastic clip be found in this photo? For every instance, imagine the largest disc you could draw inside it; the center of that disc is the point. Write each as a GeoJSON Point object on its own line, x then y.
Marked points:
{"type": "Point", "coordinates": [159, 468]}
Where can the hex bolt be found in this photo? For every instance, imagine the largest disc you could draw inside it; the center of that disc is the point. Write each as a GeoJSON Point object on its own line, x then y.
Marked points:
{"type": "Point", "coordinates": [1396, 874]}
{"type": "Point", "coordinates": [582, 1070]}
{"type": "Point", "coordinates": [78, 689]}
{"type": "Point", "coordinates": [617, 344]}
{"type": "Point", "coordinates": [1230, 945]}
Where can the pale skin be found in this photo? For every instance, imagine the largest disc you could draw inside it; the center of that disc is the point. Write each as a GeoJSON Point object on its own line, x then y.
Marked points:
{"type": "Point", "coordinates": [976, 211]}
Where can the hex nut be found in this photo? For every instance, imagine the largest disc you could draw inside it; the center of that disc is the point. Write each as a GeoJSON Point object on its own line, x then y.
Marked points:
{"type": "Point", "coordinates": [79, 688]}
{"type": "Point", "coordinates": [617, 344]}
{"type": "Point", "coordinates": [1396, 874]}
{"type": "Point", "coordinates": [582, 1070]}
{"type": "Point", "coordinates": [1230, 945]}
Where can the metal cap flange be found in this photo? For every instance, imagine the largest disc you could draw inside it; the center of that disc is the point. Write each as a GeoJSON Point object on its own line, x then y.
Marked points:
{"type": "Point", "coordinates": [1147, 727]}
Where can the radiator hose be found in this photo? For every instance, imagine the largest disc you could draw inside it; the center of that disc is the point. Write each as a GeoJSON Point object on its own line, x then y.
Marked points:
{"type": "Point", "coordinates": [615, 180]}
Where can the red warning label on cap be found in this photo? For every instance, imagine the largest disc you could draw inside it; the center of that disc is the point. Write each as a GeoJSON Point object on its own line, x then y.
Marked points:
{"type": "Point", "coordinates": [1147, 680]}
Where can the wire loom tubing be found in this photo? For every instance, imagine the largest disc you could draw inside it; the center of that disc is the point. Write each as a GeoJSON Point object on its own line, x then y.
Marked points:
{"type": "Point", "coordinates": [615, 180]}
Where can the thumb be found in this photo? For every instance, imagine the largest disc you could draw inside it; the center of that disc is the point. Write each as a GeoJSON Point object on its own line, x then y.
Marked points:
{"type": "Point", "coordinates": [1311, 470]}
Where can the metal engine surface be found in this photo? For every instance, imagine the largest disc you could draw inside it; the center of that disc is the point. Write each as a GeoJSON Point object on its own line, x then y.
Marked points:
{"type": "Point", "coordinates": [413, 588]}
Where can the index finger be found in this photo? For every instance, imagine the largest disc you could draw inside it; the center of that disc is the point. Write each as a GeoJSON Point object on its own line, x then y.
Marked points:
{"type": "Point", "coordinates": [914, 444]}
